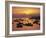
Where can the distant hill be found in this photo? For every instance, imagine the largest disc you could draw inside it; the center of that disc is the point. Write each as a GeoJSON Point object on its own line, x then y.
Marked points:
{"type": "Point", "coordinates": [26, 16]}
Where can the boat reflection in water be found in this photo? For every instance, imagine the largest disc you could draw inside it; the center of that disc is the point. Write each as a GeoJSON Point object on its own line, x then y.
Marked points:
{"type": "Point", "coordinates": [26, 24]}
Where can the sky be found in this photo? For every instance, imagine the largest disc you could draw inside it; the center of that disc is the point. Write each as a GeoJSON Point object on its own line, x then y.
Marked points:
{"type": "Point", "coordinates": [25, 10]}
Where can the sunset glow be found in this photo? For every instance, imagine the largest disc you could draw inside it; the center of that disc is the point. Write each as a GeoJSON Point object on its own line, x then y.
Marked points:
{"type": "Point", "coordinates": [25, 10]}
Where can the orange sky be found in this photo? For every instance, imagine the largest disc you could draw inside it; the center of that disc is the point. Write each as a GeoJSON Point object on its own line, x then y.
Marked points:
{"type": "Point", "coordinates": [25, 10]}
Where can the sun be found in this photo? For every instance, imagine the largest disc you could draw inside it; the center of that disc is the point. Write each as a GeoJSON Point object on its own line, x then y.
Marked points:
{"type": "Point", "coordinates": [28, 12]}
